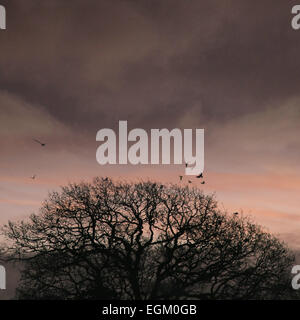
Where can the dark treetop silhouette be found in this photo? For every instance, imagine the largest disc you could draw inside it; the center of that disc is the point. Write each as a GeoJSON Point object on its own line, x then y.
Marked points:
{"type": "Point", "coordinates": [144, 241]}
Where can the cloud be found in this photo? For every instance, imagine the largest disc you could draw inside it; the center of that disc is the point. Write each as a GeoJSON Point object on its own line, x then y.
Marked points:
{"type": "Point", "coordinates": [92, 63]}
{"type": "Point", "coordinates": [262, 141]}
{"type": "Point", "coordinates": [22, 119]}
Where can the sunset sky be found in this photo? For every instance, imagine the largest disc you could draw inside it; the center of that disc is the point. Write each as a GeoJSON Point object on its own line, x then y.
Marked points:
{"type": "Point", "coordinates": [70, 68]}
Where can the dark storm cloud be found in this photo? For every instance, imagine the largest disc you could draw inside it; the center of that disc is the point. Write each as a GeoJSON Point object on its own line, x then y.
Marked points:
{"type": "Point", "coordinates": [90, 63]}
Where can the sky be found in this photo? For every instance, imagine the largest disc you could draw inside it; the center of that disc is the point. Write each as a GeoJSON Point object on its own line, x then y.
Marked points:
{"type": "Point", "coordinates": [232, 67]}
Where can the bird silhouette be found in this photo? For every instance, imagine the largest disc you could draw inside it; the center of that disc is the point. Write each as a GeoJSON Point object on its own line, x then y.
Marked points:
{"type": "Point", "coordinates": [199, 175]}
{"type": "Point", "coordinates": [180, 177]}
{"type": "Point", "coordinates": [203, 182]}
{"type": "Point", "coordinates": [39, 142]}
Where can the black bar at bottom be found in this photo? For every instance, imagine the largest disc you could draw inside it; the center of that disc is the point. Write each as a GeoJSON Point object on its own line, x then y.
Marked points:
{"type": "Point", "coordinates": [96, 310]}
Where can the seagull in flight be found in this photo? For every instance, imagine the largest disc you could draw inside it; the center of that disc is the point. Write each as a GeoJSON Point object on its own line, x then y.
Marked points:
{"type": "Point", "coordinates": [200, 175]}
{"type": "Point", "coordinates": [39, 142]}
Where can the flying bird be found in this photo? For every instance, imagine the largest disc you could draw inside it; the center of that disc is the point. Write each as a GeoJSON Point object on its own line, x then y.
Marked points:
{"type": "Point", "coordinates": [199, 175]}
{"type": "Point", "coordinates": [39, 142]}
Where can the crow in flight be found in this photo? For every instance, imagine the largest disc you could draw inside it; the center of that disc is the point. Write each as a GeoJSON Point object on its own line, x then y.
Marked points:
{"type": "Point", "coordinates": [39, 142]}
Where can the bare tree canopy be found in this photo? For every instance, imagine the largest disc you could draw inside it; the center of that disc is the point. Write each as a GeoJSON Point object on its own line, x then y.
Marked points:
{"type": "Point", "coordinates": [115, 240]}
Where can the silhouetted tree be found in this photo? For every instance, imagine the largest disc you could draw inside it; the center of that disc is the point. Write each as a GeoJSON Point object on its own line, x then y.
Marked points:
{"type": "Point", "coordinates": [144, 241]}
